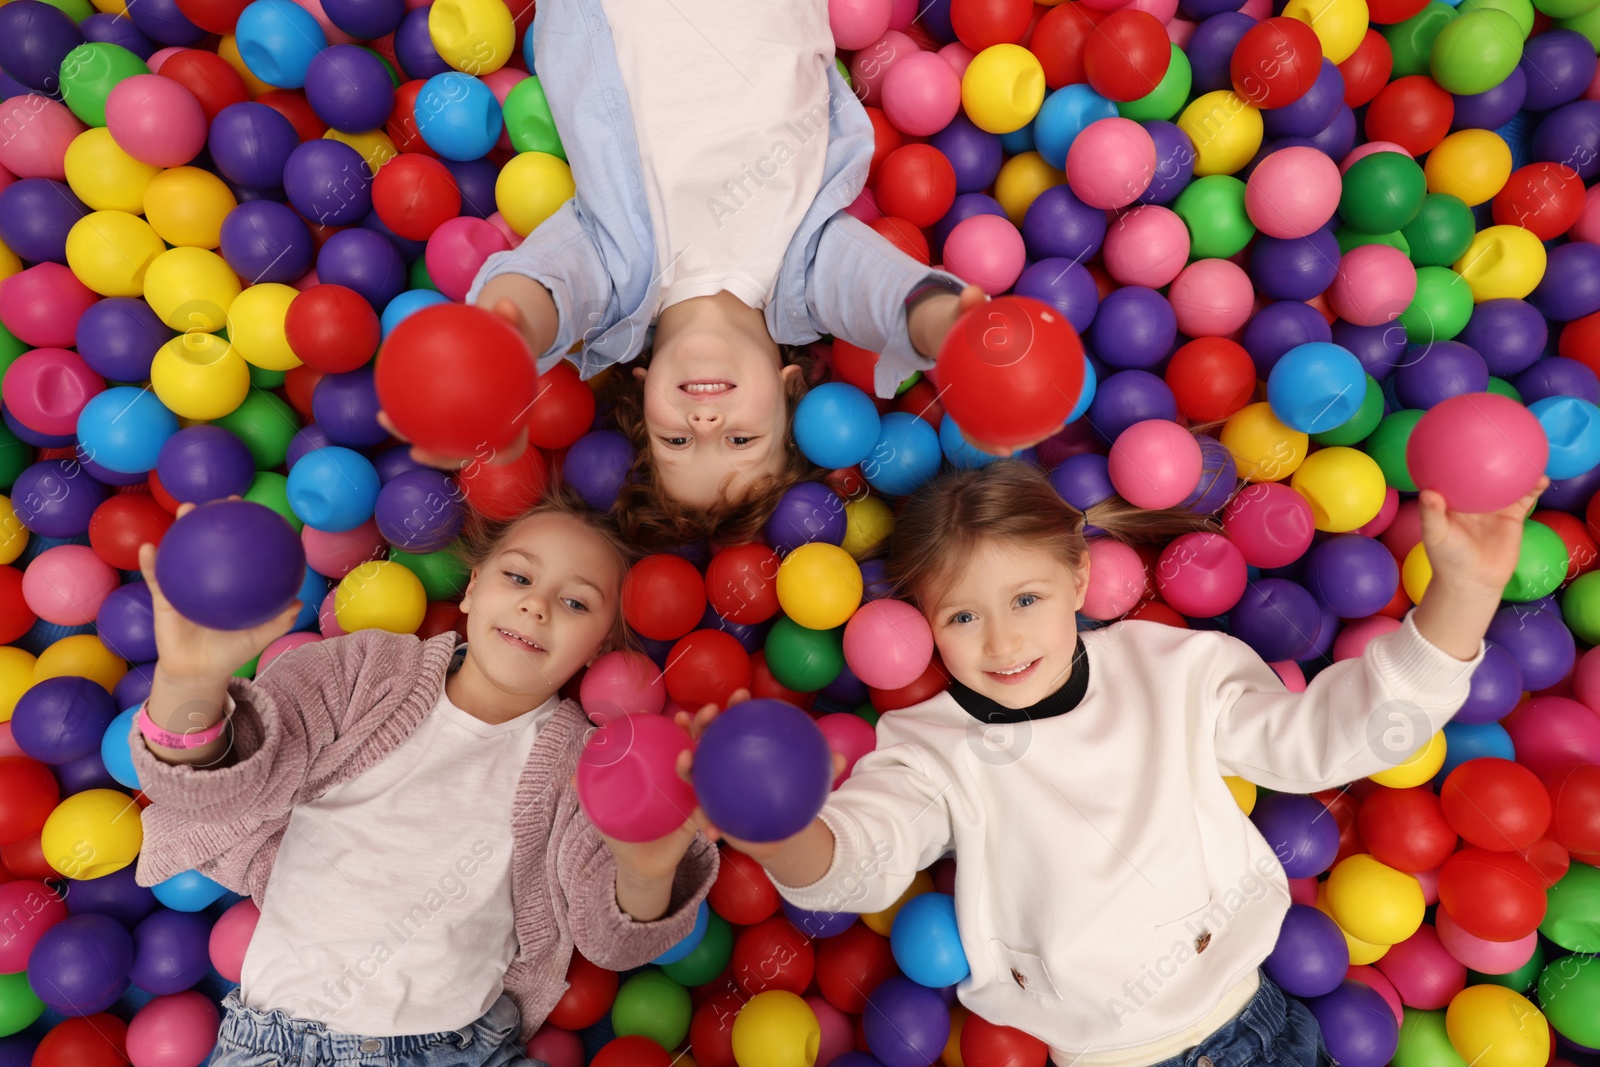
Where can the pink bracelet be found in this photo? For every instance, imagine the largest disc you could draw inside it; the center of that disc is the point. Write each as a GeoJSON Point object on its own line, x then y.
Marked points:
{"type": "Point", "coordinates": [168, 739]}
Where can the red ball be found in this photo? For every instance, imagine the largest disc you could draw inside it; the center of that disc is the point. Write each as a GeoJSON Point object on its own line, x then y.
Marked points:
{"type": "Point", "coordinates": [663, 597]}
{"type": "Point", "coordinates": [1496, 804]}
{"type": "Point", "coordinates": [563, 407]}
{"type": "Point", "coordinates": [213, 16]}
{"type": "Point", "coordinates": [124, 522]}
{"type": "Point", "coordinates": [1413, 112]}
{"type": "Point", "coordinates": [28, 794]}
{"type": "Point", "coordinates": [1127, 55]}
{"type": "Point", "coordinates": [1010, 371]}
{"type": "Point", "coordinates": [1389, 12]}
{"type": "Point", "coordinates": [440, 617]}
{"type": "Point", "coordinates": [1543, 198]}
{"type": "Point", "coordinates": [1575, 799]}
{"type": "Point", "coordinates": [86, 1041]}
{"type": "Point", "coordinates": [742, 893]}
{"type": "Point", "coordinates": [25, 859]}
{"type": "Point", "coordinates": [456, 379]}
{"type": "Point", "coordinates": [502, 491]}
{"type": "Point", "coordinates": [299, 385]}
{"type": "Point", "coordinates": [634, 1051]}
{"type": "Point", "coordinates": [987, 1044]}
{"type": "Point", "coordinates": [1583, 554]}
{"type": "Point", "coordinates": [917, 183]}
{"type": "Point", "coordinates": [1367, 69]}
{"type": "Point", "coordinates": [1151, 609]}
{"type": "Point", "coordinates": [705, 668]}
{"type": "Point", "coordinates": [402, 126]}
{"type": "Point", "coordinates": [1276, 62]}
{"type": "Point", "coordinates": [929, 684]}
{"type": "Point", "coordinates": [922, 400]}
{"type": "Point", "coordinates": [590, 992]}
{"type": "Point", "coordinates": [414, 194]}
{"type": "Point", "coordinates": [293, 105]}
{"type": "Point", "coordinates": [208, 76]}
{"type": "Point", "coordinates": [1059, 42]}
{"type": "Point", "coordinates": [764, 685]}
{"type": "Point", "coordinates": [904, 236]}
{"type": "Point", "coordinates": [1498, 896]}
{"type": "Point", "coordinates": [885, 139]}
{"type": "Point", "coordinates": [158, 492]}
{"type": "Point", "coordinates": [332, 328]}
{"type": "Point", "coordinates": [854, 366]}
{"type": "Point", "coordinates": [773, 955]}
{"type": "Point", "coordinates": [711, 1029]}
{"type": "Point", "coordinates": [16, 618]}
{"type": "Point", "coordinates": [1406, 829]}
{"type": "Point", "coordinates": [851, 965]}
{"type": "Point", "coordinates": [1211, 378]}
{"type": "Point", "coordinates": [742, 583]}
{"type": "Point", "coordinates": [981, 23]}
{"type": "Point", "coordinates": [1550, 858]}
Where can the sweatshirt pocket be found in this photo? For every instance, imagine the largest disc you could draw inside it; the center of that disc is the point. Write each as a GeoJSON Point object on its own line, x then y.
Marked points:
{"type": "Point", "coordinates": [1022, 969]}
{"type": "Point", "coordinates": [1191, 933]}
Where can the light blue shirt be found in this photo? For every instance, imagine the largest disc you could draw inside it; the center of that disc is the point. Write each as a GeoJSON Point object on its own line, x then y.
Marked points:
{"type": "Point", "coordinates": [596, 254]}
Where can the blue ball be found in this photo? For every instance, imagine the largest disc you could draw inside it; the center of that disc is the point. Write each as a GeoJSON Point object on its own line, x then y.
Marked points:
{"type": "Point", "coordinates": [926, 943]}
{"type": "Point", "coordinates": [691, 940]}
{"type": "Point", "coordinates": [1065, 114]}
{"type": "Point", "coordinates": [906, 455]}
{"type": "Point", "coordinates": [188, 891]}
{"type": "Point", "coordinates": [458, 116]}
{"type": "Point", "coordinates": [1468, 741]}
{"type": "Point", "coordinates": [962, 455]}
{"type": "Point", "coordinates": [1316, 386]}
{"type": "Point", "coordinates": [313, 591]}
{"type": "Point", "coordinates": [333, 489]}
{"type": "Point", "coordinates": [1573, 427]}
{"type": "Point", "coordinates": [278, 40]}
{"type": "Point", "coordinates": [836, 425]}
{"type": "Point", "coordinates": [123, 429]}
{"type": "Point", "coordinates": [1091, 382]}
{"type": "Point", "coordinates": [115, 749]}
{"type": "Point", "coordinates": [408, 304]}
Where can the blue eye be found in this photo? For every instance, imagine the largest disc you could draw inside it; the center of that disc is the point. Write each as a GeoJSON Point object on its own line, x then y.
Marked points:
{"type": "Point", "coordinates": [962, 617]}
{"type": "Point", "coordinates": [516, 579]}
{"type": "Point", "coordinates": [575, 605]}
{"type": "Point", "coordinates": [1026, 600]}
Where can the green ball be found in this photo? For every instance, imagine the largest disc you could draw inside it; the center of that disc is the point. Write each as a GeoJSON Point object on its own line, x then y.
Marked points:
{"type": "Point", "coordinates": [652, 1005]}
{"type": "Point", "coordinates": [1424, 1043]}
{"type": "Point", "coordinates": [1580, 607]}
{"type": "Point", "coordinates": [1440, 309]}
{"type": "Point", "coordinates": [1387, 447]}
{"type": "Point", "coordinates": [18, 1005]}
{"type": "Point", "coordinates": [10, 349]}
{"type": "Point", "coordinates": [528, 120]}
{"type": "Point", "coordinates": [1521, 10]}
{"type": "Point", "coordinates": [266, 424]}
{"type": "Point", "coordinates": [801, 659]}
{"type": "Point", "coordinates": [76, 10]}
{"type": "Point", "coordinates": [443, 575]}
{"type": "Point", "coordinates": [15, 457]}
{"type": "Point", "coordinates": [707, 959]}
{"type": "Point", "coordinates": [1504, 388]}
{"type": "Point", "coordinates": [262, 378]}
{"type": "Point", "coordinates": [271, 489]}
{"type": "Point", "coordinates": [1569, 996]}
{"type": "Point", "coordinates": [1349, 239]}
{"type": "Point", "coordinates": [1168, 97]}
{"type": "Point", "coordinates": [866, 713]}
{"type": "Point", "coordinates": [89, 73]}
{"type": "Point", "coordinates": [1411, 41]}
{"type": "Point", "coordinates": [394, 78]}
{"type": "Point", "coordinates": [1476, 51]}
{"type": "Point", "coordinates": [418, 277]}
{"type": "Point", "coordinates": [1587, 24]}
{"type": "Point", "coordinates": [1213, 209]}
{"type": "Point", "coordinates": [1357, 427]}
{"type": "Point", "coordinates": [248, 670]}
{"type": "Point", "coordinates": [1541, 564]}
{"type": "Point", "coordinates": [1518, 981]}
{"type": "Point", "coordinates": [1441, 232]}
{"type": "Point", "coordinates": [1573, 916]}
{"type": "Point", "coordinates": [1382, 192]}
{"type": "Point", "coordinates": [1566, 9]}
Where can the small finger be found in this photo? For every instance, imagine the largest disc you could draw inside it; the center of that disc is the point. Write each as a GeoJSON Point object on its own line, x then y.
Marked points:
{"type": "Point", "coordinates": [184, 509]}
{"type": "Point", "coordinates": [388, 424]}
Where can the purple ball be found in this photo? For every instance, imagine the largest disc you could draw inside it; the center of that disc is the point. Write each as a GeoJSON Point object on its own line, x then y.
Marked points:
{"type": "Point", "coordinates": [105, 475]}
{"type": "Point", "coordinates": [251, 144]}
{"type": "Point", "coordinates": [1219, 478]}
{"type": "Point", "coordinates": [56, 498]}
{"type": "Point", "coordinates": [85, 772]}
{"type": "Point", "coordinates": [1558, 376]}
{"type": "Point", "coordinates": [1496, 688]}
{"type": "Point", "coordinates": [762, 770]}
{"type": "Point", "coordinates": [1558, 66]}
{"type": "Point", "coordinates": [33, 437]}
{"type": "Point", "coordinates": [1311, 113]}
{"type": "Point", "coordinates": [265, 241]}
{"type": "Point", "coordinates": [1357, 1025]}
{"type": "Point", "coordinates": [1570, 134]}
{"type": "Point", "coordinates": [309, 438]}
{"type": "Point", "coordinates": [171, 951]}
{"type": "Point", "coordinates": [1276, 617]}
{"type": "Point", "coordinates": [1199, 10]}
{"type": "Point", "coordinates": [1351, 575]}
{"type": "Point", "coordinates": [597, 465]}
{"type": "Point", "coordinates": [346, 407]}
{"type": "Point", "coordinates": [1059, 225]}
{"type": "Point", "coordinates": [849, 1059]}
{"type": "Point", "coordinates": [1127, 397]}
{"type": "Point", "coordinates": [80, 965]}
{"type": "Point", "coordinates": [392, 461]}
{"type": "Point", "coordinates": [1379, 348]}
{"type": "Point", "coordinates": [1083, 480]}
{"type": "Point", "coordinates": [328, 182]}
{"type": "Point", "coordinates": [846, 688]}
{"type": "Point", "coordinates": [204, 463]}
{"type": "Point", "coordinates": [752, 637]}
{"type": "Point", "coordinates": [230, 565]}
{"type": "Point", "coordinates": [366, 19]}
{"type": "Point", "coordinates": [1065, 285]}
{"type": "Point", "coordinates": [875, 583]}
{"type": "Point", "coordinates": [1509, 334]}
{"type": "Point", "coordinates": [1134, 327]}
{"type": "Point", "coordinates": [1438, 371]}
{"type": "Point", "coordinates": [809, 511]}
{"type": "Point", "coordinates": [906, 1024]}
{"type": "Point", "coordinates": [34, 39]}
{"type": "Point", "coordinates": [475, 179]}
{"type": "Point", "coordinates": [936, 20]}
{"type": "Point", "coordinates": [1540, 643]}
{"type": "Point", "coordinates": [413, 47]}
{"type": "Point", "coordinates": [1571, 494]}
{"type": "Point", "coordinates": [1311, 956]}
{"type": "Point", "coordinates": [1296, 268]}
{"type": "Point", "coordinates": [133, 688]}
{"type": "Point", "coordinates": [974, 154]}
{"type": "Point", "coordinates": [114, 29]}
{"type": "Point", "coordinates": [1278, 327]}
{"type": "Point", "coordinates": [116, 895]}
{"type": "Point", "coordinates": [819, 924]}
{"type": "Point", "coordinates": [1210, 50]}
{"type": "Point", "coordinates": [420, 511]}
{"type": "Point", "coordinates": [349, 88]}
{"type": "Point", "coordinates": [1328, 626]}
{"type": "Point", "coordinates": [965, 207]}
{"type": "Point", "coordinates": [18, 1050]}
{"type": "Point", "coordinates": [118, 338]}
{"type": "Point", "coordinates": [1337, 138]}
{"type": "Point", "coordinates": [409, 250]}
{"type": "Point", "coordinates": [1302, 835]}
{"type": "Point", "coordinates": [162, 22]}
{"type": "Point", "coordinates": [35, 215]}
{"type": "Point", "coordinates": [1570, 288]}
{"type": "Point", "coordinates": [127, 623]}
{"type": "Point", "coordinates": [363, 260]}
{"type": "Point", "coordinates": [1175, 158]}
{"type": "Point", "coordinates": [1492, 108]}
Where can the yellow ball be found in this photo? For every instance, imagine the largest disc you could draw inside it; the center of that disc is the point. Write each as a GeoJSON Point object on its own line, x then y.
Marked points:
{"type": "Point", "coordinates": [104, 176]}
{"type": "Point", "coordinates": [1502, 262]}
{"type": "Point", "coordinates": [1344, 487]}
{"type": "Point", "coordinates": [951, 1057]}
{"type": "Point", "coordinates": [1339, 24]}
{"type": "Point", "coordinates": [1471, 165]}
{"type": "Point", "coordinates": [13, 535]}
{"type": "Point", "coordinates": [186, 205]}
{"type": "Point", "coordinates": [81, 656]}
{"type": "Point", "coordinates": [868, 523]}
{"type": "Point", "coordinates": [1492, 1026]}
{"type": "Point", "coordinates": [191, 289]}
{"type": "Point", "coordinates": [1225, 130]}
{"type": "Point", "coordinates": [1416, 572]}
{"type": "Point", "coordinates": [199, 376]}
{"type": "Point", "coordinates": [92, 834]}
{"type": "Point", "coordinates": [228, 52]}
{"type": "Point", "coordinates": [112, 7]}
{"type": "Point", "coordinates": [819, 586]}
{"type": "Point", "coordinates": [775, 1029]}
{"type": "Point", "coordinates": [1374, 901]}
{"type": "Point", "coordinates": [374, 146]}
{"type": "Point", "coordinates": [474, 36]}
{"type": "Point", "coordinates": [10, 262]}
{"type": "Point", "coordinates": [110, 251]}
{"type": "Point", "coordinates": [1002, 88]}
{"type": "Point", "coordinates": [1265, 449]}
{"type": "Point", "coordinates": [530, 189]}
{"type": "Point", "coordinates": [1020, 181]}
{"type": "Point", "coordinates": [380, 595]}
{"type": "Point", "coordinates": [16, 678]}
{"type": "Point", "coordinates": [255, 326]}
{"type": "Point", "coordinates": [1361, 952]}
{"type": "Point", "coordinates": [1420, 768]}
{"type": "Point", "coordinates": [1244, 793]}
{"type": "Point", "coordinates": [881, 922]}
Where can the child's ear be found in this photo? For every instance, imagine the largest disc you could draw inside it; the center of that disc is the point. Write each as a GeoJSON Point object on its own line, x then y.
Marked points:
{"type": "Point", "coordinates": [466, 594]}
{"type": "Point", "coordinates": [1081, 577]}
{"type": "Point", "coordinates": [791, 374]}
{"type": "Point", "coordinates": [639, 373]}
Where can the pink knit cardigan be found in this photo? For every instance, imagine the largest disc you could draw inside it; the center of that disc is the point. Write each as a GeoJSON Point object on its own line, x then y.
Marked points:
{"type": "Point", "coordinates": [324, 713]}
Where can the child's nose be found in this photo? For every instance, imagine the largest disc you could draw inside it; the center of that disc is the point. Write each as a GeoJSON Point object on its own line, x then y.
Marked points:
{"type": "Point", "coordinates": [534, 604]}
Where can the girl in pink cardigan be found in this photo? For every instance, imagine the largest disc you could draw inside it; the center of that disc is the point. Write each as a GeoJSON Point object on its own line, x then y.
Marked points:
{"type": "Point", "coordinates": [403, 813]}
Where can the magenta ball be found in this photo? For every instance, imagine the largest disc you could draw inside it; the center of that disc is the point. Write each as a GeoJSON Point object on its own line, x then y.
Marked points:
{"type": "Point", "coordinates": [178, 1030]}
{"type": "Point", "coordinates": [1111, 163]}
{"type": "Point", "coordinates": [857, 23]}
{"type": "Point", "coordinates": [457, 249]}
{"type": "Point", "coordinates": [1212, 298]}
{"type": "Point", "coordinates": [42, 305]}
{"type": "Point", "coordinates": [67, 584]}
{"type": "Point", "coordinates": [622, 683]}
{"type": "Point", "coordinates": [43, 130]}
{"type": "Point", "coordinates": [286, 643]}
{"type": "Point", "coordinates": [47, 389]}
{"type": "Point", "coordinates": [921, 94]}
{"type": "Point", "coordinates": [987, 251]}
{"type": "Point", "coordinates": [1116, 579]}
{"type": "Point", "coordinates": [1271, 523]}
{"type": "Point", "coordinates": [1375, 284]}
{"type": "Point", "coordinates": [1155, 464]}
{"type": "Point", "coordinates": [848, 735]}
{"type": "Point", "coordinates": [628, 781]}
{"type": "Point", "coordinates": [1481, 451]}
{"type": "Point", "coordinates": [1201, 575]}
{"type": "Point", "coordinates": [887, 644]}
{"type": "Point", "coordinates": [156, 120]}
{"type": "Point", "coordinates": [334, 554]}
{"type": "Point", "coordinates": [1293, 192]}
{"type": "Point", "coordinates": [230, 936]}
{"type": "Point", "coordinates": [1147, 246]}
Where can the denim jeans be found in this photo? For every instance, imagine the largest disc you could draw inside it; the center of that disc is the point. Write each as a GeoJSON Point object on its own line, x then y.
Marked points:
{"type": "Point", "coordinates": [251, 1038]}
{"type": "Point", "coordinates": [1270, 1030]}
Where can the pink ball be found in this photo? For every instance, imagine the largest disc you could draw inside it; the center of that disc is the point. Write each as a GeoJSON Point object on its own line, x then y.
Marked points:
{"type": "Point", "coordinates": [1148, 245]}
{"type": "Point", "coordinates": [903, 13]}
{"type": "Point", "coordinates": [500, 83]}
{"type": "Point", "coordinates": [1163, 10]}
{"type": "Point", "coordinates": [334, 34]}
{"type": "Point", "coordinates": [30, 909]}
{"type": "Point", "coordinates": [1201, 575]}
{"type": "Point", "coordinates": [857, 23]}
{"type": "Point", "coordinates": [1290, 674]}
{"type": "Point", "coordinates": [177, 1030]}
{"type": "Point", "coordinates": [1586, 679]}
{"type": "Point", "coordinates": [887, 644]}
{"type": "Point", "coordinates": [334, 555]}
{"type": "Point", "coordinates": [1111, 163]}
{"type": "Point", "coordinates": [1373, 979]}
{"type": "Point", "coordinates": [156, 120]}
{"type": "Point", "coordinates": [872, 64]}
{"type": "Point", "coordinates": [987, 251]}
{"type": "Point", "coordinates": [1155, 464]}
{"type": "Point", "coordinates": [921, 94]}
{"type": "Point", "coordinates": [1303, 891]}
{"type": "Point", "coordinates": [1422, 972]}
{"type": "Point", "coordinates": [1587, 228]}
{"type": "Point", "coordinates": [42, 305]}
{"type": "Point", "coordinates": [959, 56]}
{"type": "Point", "coordinates": [628, 779]}
{"type": "Point", "coordinates": [8, 744]}
{"type": "Point", "coordinates": [864, 207]}
{"type": "Point", "coordinates": [1362, 151]}
{"type": "Point", "coordinates": [1292, 192]}
{"type": "Point", "coordinates": [1117, 579]}
{"type": "Point", "coordinates": [1429, 881]}
{"type": "Point", "coordinates": [230, 936]}
{"type": "Point", "coordinates": [1212, 298]}
{"type": "Point", "coordinates": [1485, 957]}
{"type": "Point", "coordinates": [1549, 731]}
{"type": "Point", "coordinates": [557, 1047]}
{"type": "Point", "coordinates": [161, 55]}
{"type": "Point", "coordinates": [1481, 451]}
{"type": "Point", "coordinates": [455, 252]}
{"type": "Point", "coordinates": [498, 221]}
{"type": "Point", "coordinates": [327, 621]}
{"type": "Point", "coordinates": [1271, 524]}
{"type": "Point", "coordinates": [67, 584]}
{"type": "Point", "coordinates": [1385, 516]}
{"type": "Point", "coordinates": [1257, 9]}
{"type": "Point", "coordinates": [849, 736]}
{"type": "Point", "coordinates": [1374, 285]}
{"type": "Point", "coordinates": [838, 1032]}
{"type": "Point", "coordinates": [47, 388]}
{"type": "Point", "coordinates": [286, 643]}
{"type": "Point", "coordinates": [38, 132]}
{"type": "Point", "coordinates": [1353, 638]}
{"type": "Point", "coordinates": [622, 683]}
{"type": "Point", "coordinates": [1179, 31]}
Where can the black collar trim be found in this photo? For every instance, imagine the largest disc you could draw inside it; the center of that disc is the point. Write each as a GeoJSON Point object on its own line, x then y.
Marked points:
{"type": "Point", "coordinates": [1063, 700]}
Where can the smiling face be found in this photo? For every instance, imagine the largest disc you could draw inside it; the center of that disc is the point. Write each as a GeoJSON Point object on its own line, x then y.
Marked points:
{"type": "Point", "coordinates": [1006, 624]}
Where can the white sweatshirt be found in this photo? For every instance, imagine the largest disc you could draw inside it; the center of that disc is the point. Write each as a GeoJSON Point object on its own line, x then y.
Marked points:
{"type": "Point", "coordinates": [1111, 897]}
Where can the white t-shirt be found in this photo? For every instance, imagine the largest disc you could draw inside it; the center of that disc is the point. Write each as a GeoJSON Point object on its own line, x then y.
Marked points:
{"type": "Point", "coordinates": [388, 910]}
{"type": "Point", "coordinates": [730, 109]}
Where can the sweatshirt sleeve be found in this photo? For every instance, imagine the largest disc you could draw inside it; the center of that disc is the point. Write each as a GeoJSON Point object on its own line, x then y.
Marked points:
{"type": "Point", "coordinates": [1355, 718]}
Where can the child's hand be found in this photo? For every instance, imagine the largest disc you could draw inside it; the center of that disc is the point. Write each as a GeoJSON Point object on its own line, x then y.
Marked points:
{"type": "Point", "coordinates": [526, 305]}
{"type": "Point", "coordinates": [508, 454]}
{"type": "Point", "coordinates": [1474, 550]}
{"type": "Point", "coordinates": [930, 319]}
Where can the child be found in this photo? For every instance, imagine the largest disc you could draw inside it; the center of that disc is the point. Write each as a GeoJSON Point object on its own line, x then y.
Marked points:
{"type": "Point", "coordinates": [403, 813]}
{"type": "Point", "coordinates": [1112, 898]}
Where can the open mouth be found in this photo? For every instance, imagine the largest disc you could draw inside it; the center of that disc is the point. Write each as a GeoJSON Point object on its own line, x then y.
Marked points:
{"type": "Point", "coordinates": [707, 388]}
{"type": "Point", "coordinates": [1013, 675]}
{"type": "Point", "coordinates": [520, 641]}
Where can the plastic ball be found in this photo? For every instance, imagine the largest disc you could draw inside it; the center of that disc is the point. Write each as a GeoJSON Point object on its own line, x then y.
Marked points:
{"type": "Point", "coordinates": [1480, 450]}
{"type": "Point", "coordinates": [1201, 575]}
{"type": "Point", "coordinates": [905, 456]}
{"type": "Point", "coordinates": [1148, 247]}
{"type": "Point", "coordinates": [986, 251]}
{"type": "Point", "coordinates": [278, 40]}
{"type": "Point", "coordinates": [627, 777]}
{"type": "Point", "coordinates": [67, 584]}
{"type": "Point", "coordinates": [89, 835]}
{"type": "Point", "coordinates": [1374, 285]}
{"type": "Point", "coordinates": [916, 183]}
{"type": "Point", "coordinates": [1357, 1025]}
{"type": "Point", "coordinates": [1265, 448]}
{"type": "Point", "coordinates": [380, 595]}
{"type": "Point", "coordinates": [1497, 896]}
{"type": "Point", "coordinates": [476, 36]}
{"type": "Point", "coordinates": [458, 116]}
{"type": "Point", "coordinates": [1497, 1027]}
{"type": "Point", "coordinates": [762, 770]}
{"type": "Point", "coordinates": [1275, 62]}
{"type": "Point", "coordinates": [926, 943]}
{"type": "Point", "coordinates": [1210, 377]}
{"type": "Point", "coordinates": [1002, 88]}
{"type": "Point", "coordinates": [887, 643]}
{"type": "Point", "coordinates": [1413, 112]}
{"type": "Point", "coordinates": [1155, 464]}
{"type": "Point", "coordinates": [80, 966]}
{"type": "Point", "coordinates": [88, 74]}
{"type": "Point", "coordinates": [1015, 385]}
{"type": "Point", "coordinates": [230, 565]}
{"type": "Point", "coordinates": [663, 597]}
{"type": "Point", "coordinates": [530, 189]}
{"type": "Point", "coordinates": [1110, 162]}
{"type": "Point", "coordinates": [706, 667]}
{"type": "Point", "coordinates": [1293, 192]}
{"type": "Point", "coordinates": [921, 94]}
{"type": "Point", "coordinates": [905, 1023]}
{"type": "Point", "coordinates": [173, 1030]}
{"type": "Point", "coordinates": [1496, 804]}
{"type": "Point", "coordinates": [1310, 957]}
{"type": "Point", "coordinates": [42, 304]}
{"type": "Point", "coordinates": [1503, 262]}
{"type": "Point", "coordinates": [819, 586]}
{"type": "Point", "coordinates": [776, 1027]}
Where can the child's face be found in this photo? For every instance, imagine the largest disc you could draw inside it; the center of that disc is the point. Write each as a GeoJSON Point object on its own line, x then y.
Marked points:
{"type": "Point", "coordinates": [1006, 627]}
{"type": "Point", "coordinates": [543, 605]}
